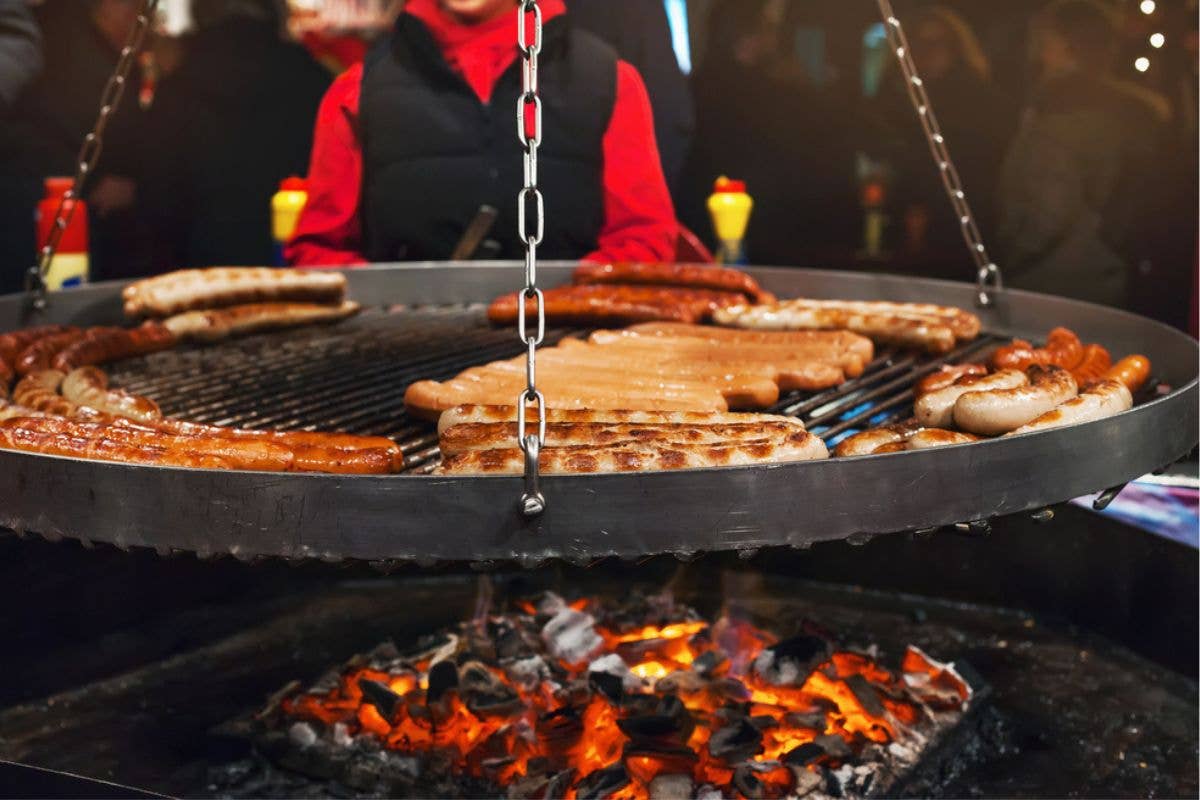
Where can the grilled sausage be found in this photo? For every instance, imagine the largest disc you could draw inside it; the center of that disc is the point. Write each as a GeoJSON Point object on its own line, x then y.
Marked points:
{"type": "Point", "coordinates": [1091, 367]}
{"type": "Point", "coordinates": [690, 276]}
{"type": "Point", "coordinates": [222, 323]}
{"type": "Point", "coordinates": [1103, 399]}
{"type": "Point", "coordinates": [990, 413]}
{"type": "Point", "coordinates": [946, 376]}
{"type": "Point", "coordinates": [88, 386]}
{"type": "Point", "coordinates": [807, 374]}
{"type": "Point", "coordinates": [966, 326]}
{"type": "Point", "coordinates": [39, 354]}
{"type": "Point", "coordinates": [861, 346]}
{"type": "Point", "coordinates": [498, 435]}
{"type": "Point", "coordinates": [704, 398]}
{"type": "Point", "coordinates": [930, 334]}
{"type": "Point", "coordinates": [831, 351]}
{"type": "Point", "coordinates": [39, 391]}
{"type": "Point", "coordinates": [1063, 349]}
{"type": "Point", "coordinates": [101, 345]}
{"type": "Point", "coordinates": [936, 409]}
{"type": "Point", "coordinates": [56, 436]}
{"type": "Point", "coordinates": [616, 305]}
{"type": "Point", "coordinates": [937, 437]}
{"type": "Point", "coordinates": [490, 414]}
{"type": "Point", "coordinates": [870, 441]}
{"type": "Point", "coordinates": [1133, 371]}
{"type": "Point", "coordinates": [738, 391]}
{"type": "Point", "coordinates": [11, 344]}
{"type": "Point", "coordinates": [799, 446]}
{"type": "Point", "coordinates": [216, 287]}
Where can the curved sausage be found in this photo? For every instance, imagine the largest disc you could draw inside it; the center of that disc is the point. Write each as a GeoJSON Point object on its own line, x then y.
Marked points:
{"type": "Point", "coordinates": [101, 345]}
{"type": "Point", "coordinates": [946, 376]}
{"type": "Point", "coordinates": [870, 441]}
{"type": "Point", "coordinates": [1063, 349]}
{"type": "Point", "coordinates": [1091, 367]}
{"type": "Point", "coordinates": [936, 409]}
{"type": "Point", "coordinates": [990, 413]}
{"type": "Point", "coordinates": [937, 437]}
{"type": "Point", "coordinates": [39, 391]}
{"type": "Point", "coordinates": [1104, 399]}
{"type": "Point", "coordinates": [690, 276]}
{"type": "Point", "coordinates": [88, 386]}
{"type": "Point", "coordinates": [38, 355]}
{"type": "Point", "coordinates": [1133, 371]}
{"type": "Point", "coordinates": [12, 343]}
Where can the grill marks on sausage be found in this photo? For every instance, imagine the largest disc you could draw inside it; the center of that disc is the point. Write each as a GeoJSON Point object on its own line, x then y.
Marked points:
{"type": "Point", "coordinates": [217, 287]}
{"type": "Point", "coordinates": [615, 305]}
{"type": "Point", "coordinates": [692, 276]}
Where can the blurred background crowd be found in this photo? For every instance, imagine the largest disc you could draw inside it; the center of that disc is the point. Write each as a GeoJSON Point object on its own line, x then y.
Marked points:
{"type": "Point", "coordinates": [1073, 124]}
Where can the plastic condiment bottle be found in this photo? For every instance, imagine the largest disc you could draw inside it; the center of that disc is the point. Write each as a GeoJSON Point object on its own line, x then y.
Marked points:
{"type": "Point", "coordinates": [70, 265]}
{"type": "Point", "coordinates": [730, 208]}
{"type": "Point", "coordinates": [286, 206]}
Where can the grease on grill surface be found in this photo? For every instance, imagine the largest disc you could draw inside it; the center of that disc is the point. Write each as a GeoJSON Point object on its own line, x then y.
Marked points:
{"type": "Point", "coordinates": [351, 377]}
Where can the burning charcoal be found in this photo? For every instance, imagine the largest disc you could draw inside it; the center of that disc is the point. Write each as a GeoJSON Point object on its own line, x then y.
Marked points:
{"type": "Point", "coordinates": [608, 685]}
{"type": "Point", "coordinates": [302, 735]}
{"type": "Point", "coordinates": [806, 781]}
{"type": "Point", "coordinates": [759, 779]}
{"type": "Point", "coordinates": [731, 689]}
{"type": "Point", "coordinates": [813, 721]}
{"type": "Point", "coordinates": [708, 662]}
{"type": "Point", "coordinates": [341, 735]}
{"type": "Point", "coordinates": [482, 691]}
{"type": "Point", "coordinates": [560, 729]}
{"type": "Point", "coordinates": [737, 742]}
{"type": "Point", "coordinates": [527, 673]}
{"type": "Point", "coordinates": [541, 785]}
{"type": "Point", "coordinates": [443, 676]}
{"type": "Point", "coordinates": [380, 696]}
{"type": "Point", "coordinates": [602, 783]}
{"type": "Point", "coordinates": [671, 787]}
{"type": "Point", "coordinates": [707, 792]}
{"type": "Point", "coordinates": [646, 761]}
{"type": "Point", "coordinates": [866, 694]}
{"type": "Point", "coordinates": [435, 647]}
{"type": "Point", "coordinates": [571, 636]}
{"type": "Point", "coordinates": [642, 729]}
{"type": "Point", "coordinates": [804, 755]}
{"type": "Point", "coordinates": [513, 642]}
{"type": "Point", "coordinates": [834, 746]}
{"type": "Point", "coordinates": [764, 722]}
{"type": "Point", "coordinates": [549, 604]}
{"type": "Point", "coordinates": [613, 664]}
{"type": "Point", "coordinates": [682, 681]}
{"type": "Point", "coordinates": [792, 660]}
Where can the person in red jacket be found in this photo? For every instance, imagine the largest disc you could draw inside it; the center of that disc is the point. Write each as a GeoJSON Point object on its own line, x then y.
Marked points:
{"type": "Point", "coordinates": [410, 144]}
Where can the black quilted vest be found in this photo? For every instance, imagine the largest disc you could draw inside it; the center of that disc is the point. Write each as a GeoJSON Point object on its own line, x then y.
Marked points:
{"type": "Point", "coordinates": [433, 153]}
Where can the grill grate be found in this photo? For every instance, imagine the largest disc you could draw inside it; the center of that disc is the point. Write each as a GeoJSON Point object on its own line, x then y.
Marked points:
{"type": "Point", "coordinates": [351, 377]}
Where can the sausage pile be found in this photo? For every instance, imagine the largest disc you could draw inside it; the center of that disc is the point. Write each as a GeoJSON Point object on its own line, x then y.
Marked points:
{"type": "Point", "coordinates": [1026, 389]}
{"type": "Point", "coordinates": [921, 326]}
{"type": "Point", "coordinates": [660, 366]}
{"type": "Point", "coordinates": [62, 403]}
{"type": "Point", "coordinates": [622, 294]}
{"type": "Point", "coordinates": [481, 440]}
{"type": "Point", "coordinates": [209, 305]}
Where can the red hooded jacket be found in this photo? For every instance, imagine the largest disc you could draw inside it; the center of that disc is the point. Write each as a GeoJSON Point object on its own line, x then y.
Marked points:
{"type": "Point", "coordinates": [639, 220]}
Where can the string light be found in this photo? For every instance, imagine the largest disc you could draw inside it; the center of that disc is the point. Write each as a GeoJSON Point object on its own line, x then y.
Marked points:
{"type": "Point", "coordinates": [1148, 6]}
{"type": "Point", "coordinates": [1157, 40]}
{"type": "Point", "coordinates": [1142, 64]}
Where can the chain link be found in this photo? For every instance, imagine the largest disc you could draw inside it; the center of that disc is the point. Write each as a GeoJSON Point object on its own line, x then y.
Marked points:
{"type": "Point", "coordinates": [987, 276]}
{"type": "Point", "coordinates": [89, 152]}
{"type": "Point", "coordinates": [529, 134]}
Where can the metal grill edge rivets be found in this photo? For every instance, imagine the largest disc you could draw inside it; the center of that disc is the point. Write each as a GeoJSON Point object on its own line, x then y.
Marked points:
{"type": "Point", "coordinates": [987, 276]}
{"type": "Point", "coordinates": [533, 502]}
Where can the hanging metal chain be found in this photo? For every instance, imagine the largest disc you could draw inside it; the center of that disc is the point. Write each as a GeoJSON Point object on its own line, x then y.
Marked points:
{"type": "Point", "coordinates": [89, 152]}
{"type": "Point", "coordinates": [529, 132]}
{"type": "Point", "coordinates": [988, 278]}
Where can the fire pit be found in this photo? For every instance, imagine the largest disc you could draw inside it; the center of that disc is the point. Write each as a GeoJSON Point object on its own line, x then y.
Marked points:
{"type": "Point", "coordinates": [639, 699]}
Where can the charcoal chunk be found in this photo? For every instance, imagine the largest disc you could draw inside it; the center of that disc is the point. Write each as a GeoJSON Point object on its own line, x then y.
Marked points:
{"type": "Point", "coordinates": [443, 677]}
{"type": "Point", "coordinates": [738, 741]}
{"type": "Point", "coordinates": [602, 783]}
{"type": "Point", "coordinates": [379, 695]}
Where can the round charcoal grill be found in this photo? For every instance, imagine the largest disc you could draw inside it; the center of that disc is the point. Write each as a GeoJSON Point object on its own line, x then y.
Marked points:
{"type": "Point", "coordinates": [427, 321]}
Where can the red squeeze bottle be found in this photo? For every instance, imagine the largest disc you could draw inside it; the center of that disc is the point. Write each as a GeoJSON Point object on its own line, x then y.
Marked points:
{"type": "Point", "coordinates": [70, 264]}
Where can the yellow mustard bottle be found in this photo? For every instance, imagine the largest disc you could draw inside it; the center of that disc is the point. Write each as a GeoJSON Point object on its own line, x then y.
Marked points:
{"type": "Point", "coordinates": [730, 208]}
{"type": "Point", "coordinates": [286, 207]}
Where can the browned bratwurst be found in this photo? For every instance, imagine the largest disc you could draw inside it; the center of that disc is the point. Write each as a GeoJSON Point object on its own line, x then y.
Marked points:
{"type": "Point", "coordinates": [101, 345]}
{"type": "Point", "coordinates": [616, 305]}
{"type": "Point", "coordinates": [689, 276]}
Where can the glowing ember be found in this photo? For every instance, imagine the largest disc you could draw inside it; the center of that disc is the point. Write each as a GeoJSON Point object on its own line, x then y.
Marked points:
{"type": "Point", "coordinates": [579, 698]}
